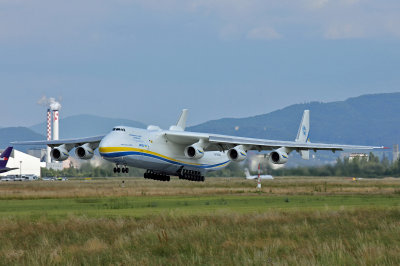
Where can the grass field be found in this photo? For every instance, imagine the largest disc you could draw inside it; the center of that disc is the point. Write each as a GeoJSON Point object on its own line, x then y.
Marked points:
{"type": "Point", "coordinates": [327, 221]}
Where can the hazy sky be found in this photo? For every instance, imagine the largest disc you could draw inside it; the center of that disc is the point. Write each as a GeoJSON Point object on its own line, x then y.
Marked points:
{"type": "Point", "coordinates": [146, 60]}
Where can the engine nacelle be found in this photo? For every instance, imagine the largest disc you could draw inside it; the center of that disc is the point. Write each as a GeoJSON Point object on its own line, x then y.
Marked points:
{"type": "Point", "coordinates": [194, 152]}
{"type": "Point", "coordinates": [84, 152]}
{"type": "Point", "coordinates": [59, 153]}
{"type": "Point", "coordinates": [237, 154]}
{"type": "Point", "coordinates": [278, 157]}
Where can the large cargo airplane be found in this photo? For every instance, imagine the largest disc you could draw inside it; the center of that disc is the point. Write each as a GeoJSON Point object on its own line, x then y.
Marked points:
{"type": "Point", "coordinates": [176, 152]}
{"type": "Point", "coordinates": [4, 160]}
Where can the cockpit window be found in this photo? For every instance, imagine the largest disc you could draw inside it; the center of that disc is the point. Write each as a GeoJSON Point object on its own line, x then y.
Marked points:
{"type": "Point", "coordinates": [118, 129]}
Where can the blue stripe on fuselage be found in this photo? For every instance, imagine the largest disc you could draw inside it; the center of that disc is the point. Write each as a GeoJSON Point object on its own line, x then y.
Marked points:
{"type": "Point", "coordinates": [126, 153]}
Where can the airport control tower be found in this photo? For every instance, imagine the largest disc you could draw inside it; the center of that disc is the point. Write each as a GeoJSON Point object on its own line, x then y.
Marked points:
{"type": "Point", "coordinates": [52, 129]}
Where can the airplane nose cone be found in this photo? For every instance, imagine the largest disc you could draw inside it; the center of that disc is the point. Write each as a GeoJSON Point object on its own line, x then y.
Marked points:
{"type": "Point", "coordinates": [105, 144]}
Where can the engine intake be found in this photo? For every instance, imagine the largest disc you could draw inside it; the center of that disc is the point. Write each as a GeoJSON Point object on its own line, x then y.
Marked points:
{"type": "Point", "coordinates": [84, 152]}
{"type": "Point", "coordinates": [194, 152]}
{"type": "Point", "coordinates": [279, 157]}
{"type": "Point", "coordinates": [59, 153]}
{"type": "Point", "coordinates": [237, 154]}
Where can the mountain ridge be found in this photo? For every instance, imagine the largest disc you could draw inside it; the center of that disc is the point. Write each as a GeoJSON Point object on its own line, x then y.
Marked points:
{"type": "Point", "coordinates": [345, 122]}
{"type": "Point", "coordinates": [370, 119]}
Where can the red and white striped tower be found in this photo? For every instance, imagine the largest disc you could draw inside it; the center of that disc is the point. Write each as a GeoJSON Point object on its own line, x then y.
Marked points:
{"type": "Point", "coordinates": [48, 157]}
{"type": "Point", "coordinates": [55, 125]}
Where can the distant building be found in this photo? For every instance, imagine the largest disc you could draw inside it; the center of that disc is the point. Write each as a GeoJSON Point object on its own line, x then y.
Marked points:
{"type": "Point", "coordinates": [26, 164]}
{"type": "Point", "coordinates": [358, 155]}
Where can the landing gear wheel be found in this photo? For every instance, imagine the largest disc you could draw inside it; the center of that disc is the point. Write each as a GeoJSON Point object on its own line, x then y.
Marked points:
{"type": "Point", "coordinates": [118, 170]}
{"type": "Point", "coordinates": [123, 170]}
{"type": "Point", "coordinates": [157, 176]}
{"type": "Point", "coordinates": [126, 170]}
{"type": "Point", "coordinates": [115, 169]}
{"type": "Point", "coordinates": [191, 175]}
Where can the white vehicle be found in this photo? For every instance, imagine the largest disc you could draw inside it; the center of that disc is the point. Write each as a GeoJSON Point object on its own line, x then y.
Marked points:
{"type": "Point", "coordinates": [176, 152]}
{"type": "Point", "coordinates": [248, 176]}
{"type": "Point", "coordinates": [8, 178]}
{"type": "Point", "coordinates": [30, 177]}
{"type": "Point", "coordinates": [19, 178]}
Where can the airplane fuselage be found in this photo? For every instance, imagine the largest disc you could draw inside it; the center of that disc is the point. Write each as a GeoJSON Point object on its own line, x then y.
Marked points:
{"type": "Point", "coordinates": [152, 150]}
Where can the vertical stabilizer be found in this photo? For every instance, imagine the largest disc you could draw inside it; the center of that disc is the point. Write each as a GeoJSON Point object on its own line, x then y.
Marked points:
{"type": "Point", "coordinates": [4, 157]}
{"type": "Point", "coordinates": [303, 135]}
{"type": "Point", "coordinates": [182, 120]}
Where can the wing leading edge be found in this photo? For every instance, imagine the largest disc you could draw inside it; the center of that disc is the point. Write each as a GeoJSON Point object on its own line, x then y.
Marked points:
{"type": "Point", "coordinates": [264, 144]}
{"type": "Point", "coordinates": [222, 142]}
{"type": "Point", "coordinates": [54, 143]}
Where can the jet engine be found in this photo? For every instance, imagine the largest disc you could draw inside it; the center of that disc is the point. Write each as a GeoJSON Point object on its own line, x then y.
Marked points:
{"type": "Point", "coordinates": [59, 153]}
{"type": "Point", "coordinates": [84, 152]}
{"type": "Point", "coordinates": [194, 151]}
{"type": "Point", "coordinates": [237, 154]}
{"type": "Point", "coordinates": [278, 157]}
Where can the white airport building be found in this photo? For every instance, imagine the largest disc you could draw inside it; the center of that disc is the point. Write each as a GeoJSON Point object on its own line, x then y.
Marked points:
{"type": "Point", "coordinates": [26, 164]}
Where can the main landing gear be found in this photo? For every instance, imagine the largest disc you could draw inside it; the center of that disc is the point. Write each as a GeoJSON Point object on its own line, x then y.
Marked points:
{"type": "Point", "coordinates": [191, 175]}
{"type": "Point", "coordinates": [123, 169]}
{"type": "Point", "coordinates": [156, 176]}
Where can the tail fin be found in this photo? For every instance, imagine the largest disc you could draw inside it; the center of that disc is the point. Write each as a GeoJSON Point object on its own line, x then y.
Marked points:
{"type": "Point", "coordinates": [303, 135]}
{"type": "Point", "coordinates": [182, 120]}
{"type": "Point", "coordinates": [4, 157]}
{"type": "Point", "coordinates": [181, 125]}
{"type": "Point", "coordinates": [246, 172]}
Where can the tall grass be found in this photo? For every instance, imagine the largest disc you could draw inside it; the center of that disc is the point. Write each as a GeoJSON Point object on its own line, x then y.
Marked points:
{"type": "Point", "coordinates": [360, 237]}
{"type": "Point", "coordinates": [218, 222]}
{"type": "Point", "coordinates": [213, 186]}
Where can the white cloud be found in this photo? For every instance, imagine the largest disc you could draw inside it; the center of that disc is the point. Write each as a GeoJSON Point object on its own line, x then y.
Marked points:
{"type": "Point", "coordinates": [263, 33]}
{"type": "Point", "coordinates": [392, 25]}
{"type": "Point", "coordinates": [344, 31]}
{"type": "Point", "coordinates": [351, 2]}
{"type": "Point", "coordinates": [316, 4]}
{"type": "Point", "coordinates": [91, 20]}
{"type": "Point", "coordinates": [230, 32]}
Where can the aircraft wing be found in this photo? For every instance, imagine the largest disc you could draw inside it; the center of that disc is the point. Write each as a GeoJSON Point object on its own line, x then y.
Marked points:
{"type": "Point", "coordinates": [54, 143]}
{"type": "Point", "coordinates": [221, 142]}
{"type": "Point", "coordinates": [264, 144]}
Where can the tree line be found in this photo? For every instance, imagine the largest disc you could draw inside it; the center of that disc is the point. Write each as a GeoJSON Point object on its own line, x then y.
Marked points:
{"type": "Point", "coordinates": [370, 166]}
{"type": "Point", "coordinates": [106, 169]}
